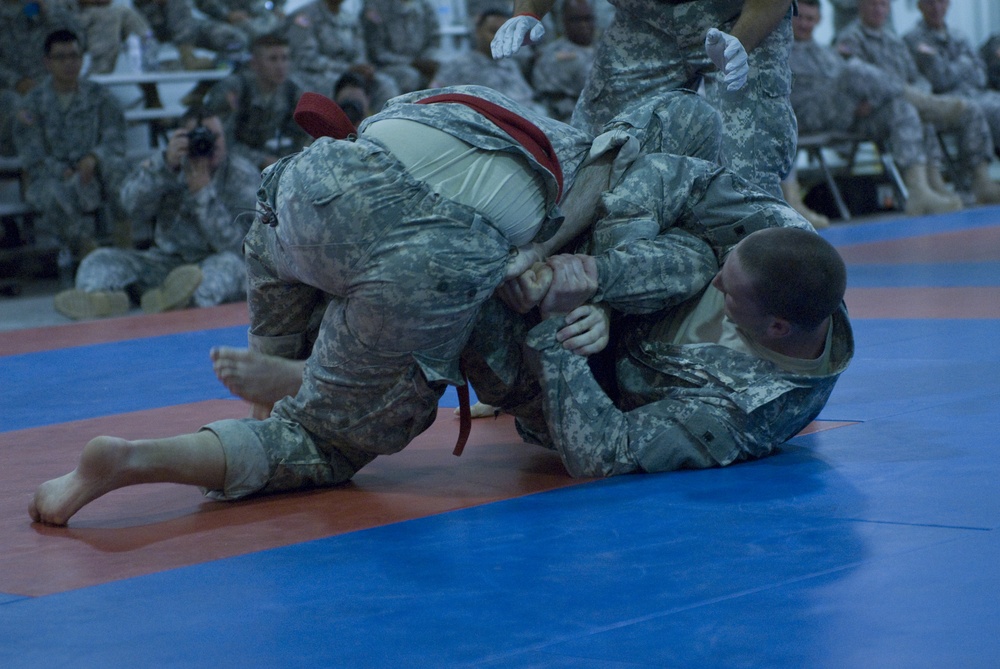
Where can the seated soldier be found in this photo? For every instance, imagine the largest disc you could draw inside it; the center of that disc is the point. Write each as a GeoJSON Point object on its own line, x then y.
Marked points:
{"type": "Point", "coordinates": [402, 40]}
{"type": "Point", "coordinates": [326, 42]}
{"type": "Point", "coordinates": [990, 52]}
{"type": "Point", "coordinates": [478, 67]}
{"type": "Point", "coordinates": [562, 66]}
{"type": "Point", "coordinates": [174, 22]}
{"type": "Point", "coordinates": [252, 17]}
{"type": "Point", "coordinates": [830, 93]}
{"type": "Point", "coordinates": [105, 29]}
{"type": "Point", "coordinates": [256, 105]}
{"type": "Point", "coordinates": [70, 136]}
{"type": "Point", "coordinates": [948, 61]}
{"type": "Point", "coordinates": [872, 41]}
{"type": "Point", "coordinates": [194, 193]}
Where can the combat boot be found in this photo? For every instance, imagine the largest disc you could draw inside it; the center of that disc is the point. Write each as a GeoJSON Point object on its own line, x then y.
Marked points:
{"type": "Point", "coordinates": [985, 189]}
{"type": "Point", "coordinates": [922, 198]}
{"type": "Point", "coordinates": [937, 184]}
{"type": "Point", "coordinates": [942, 110]}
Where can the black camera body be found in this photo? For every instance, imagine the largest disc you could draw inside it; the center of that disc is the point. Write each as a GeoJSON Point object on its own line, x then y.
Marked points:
{"type": "Point", "coordinates": [201, 142]}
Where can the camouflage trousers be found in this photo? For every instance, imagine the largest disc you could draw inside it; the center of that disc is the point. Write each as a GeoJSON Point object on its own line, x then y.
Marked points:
{"type": "Point", "coordinates": [404, 272]}
{"type": "Point", "coordinates": [105, 29]}
{"type": "Point", "coordinates": [658, 46]}
{"type": "Point", "coordinates": [223, 274]}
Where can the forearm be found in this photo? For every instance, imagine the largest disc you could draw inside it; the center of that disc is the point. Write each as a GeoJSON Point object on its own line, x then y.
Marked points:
{"type": "Point", "coordinates": [536, 7]}
{"type": "Point", "coordinates": [758, 19]}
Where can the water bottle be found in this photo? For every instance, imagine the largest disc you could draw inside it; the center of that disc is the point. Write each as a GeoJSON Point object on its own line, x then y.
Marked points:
{"type": "Point", "coordinates": [150, 49]}
{"type": "Point", "coordinates": [133, 51]}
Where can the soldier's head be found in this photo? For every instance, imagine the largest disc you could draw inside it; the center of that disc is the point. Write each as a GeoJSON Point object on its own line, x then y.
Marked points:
{"type": "Point", "coordinates": [934, 12]}
{"type": "Point", "coordinates": [63, 59]}
{"type": "Point", "coordinates": [579, 23]}
{"type": "Point", "coordinates": [270, 60]}
{"type": "Point", "coordinates": [487, 24]}
{"type": "Point", "coordinates": [781, 282]}
{"type": "Point", "coordinates": [806, 20]}
{"type": "Point", "coordinates": [873, 13]}
{"type": "Point", "coordinates": [353, 92]}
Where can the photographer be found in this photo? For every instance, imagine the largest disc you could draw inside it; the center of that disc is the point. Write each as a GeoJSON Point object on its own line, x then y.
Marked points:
{"type": "Point", "coordinates": [193, 194]}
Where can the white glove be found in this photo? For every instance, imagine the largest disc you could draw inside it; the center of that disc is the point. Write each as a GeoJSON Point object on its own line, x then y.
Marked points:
{"type": "Point", "coordinates": [512, 33]}
{"type": "Point", "coordinates": [729, 56]}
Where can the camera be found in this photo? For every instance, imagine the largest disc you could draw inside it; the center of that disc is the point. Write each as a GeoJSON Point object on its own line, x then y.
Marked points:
{"type": "Point", "coordinates": [201, 142]}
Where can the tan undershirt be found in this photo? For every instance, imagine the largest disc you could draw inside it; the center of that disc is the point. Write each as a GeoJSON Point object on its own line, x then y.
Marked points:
{"type": "Point", "coordinates": [705, 322]}
{"type": "Point", "coordinates": [498, 184]}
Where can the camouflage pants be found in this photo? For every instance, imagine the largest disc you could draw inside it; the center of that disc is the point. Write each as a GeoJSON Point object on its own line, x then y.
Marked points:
{"type": "Point", "coordinates": [405, 272]}
{"type": "Point", "coordinates": [105, 29]}
{"type": "Point", "coordinates": [223, 274]}
{"type": "Point", "coordinates": [657, 46]}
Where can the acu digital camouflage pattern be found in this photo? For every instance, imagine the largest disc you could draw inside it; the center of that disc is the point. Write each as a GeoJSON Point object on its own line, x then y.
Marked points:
{"type": "Point", "coordinates": [324, 45]}
{"type": "Point", "coordinates": [22, 38]}
{"type": "Point", "coordinates": [104, 29]}
{"type": "Point", "coordinates": [398, 32]}
{"type": "Point", "coordinates": [654, 46]}
{"type": "Point", "coordinates": [475, 68]}
{"type": "Point", "coordinates": [826, 89]}
{"type": "Point", "coordinates": [890, 54]}
{"type": "Point", "coordinates": [174, 22]}
{"type": "Point", "coordinates": [404, 272]}
{"type": "Point", "coordinates": [205, 228]}
{"type": "Point", "coordinates": [265, 16]}
{"type": "Point", "coordinates": [259, 127]}
{"type": "Point", "coordinates": [559, 75]}
{"type": "Point", "coordinates": [661, 235]}
{"type": "Point", "coordinates": [51, 140]}
{"type": "Point", "coordinates": [952, 67]}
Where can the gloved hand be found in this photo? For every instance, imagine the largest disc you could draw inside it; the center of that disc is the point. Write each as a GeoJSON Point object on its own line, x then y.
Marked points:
{"type": "Point", "coordinates": [512, 34]}
{"type": "Point", "coordinates": [729, 56]}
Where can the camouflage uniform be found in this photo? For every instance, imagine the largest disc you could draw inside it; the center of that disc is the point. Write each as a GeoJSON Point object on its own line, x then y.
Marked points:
{"type": "Point", "coordinates": [260, 127]}
{"type": "Point", "coordinates": [51, 140]}
{"type": "Point", "coordinates": [206, 228]}
{"type": "Point", "coordinates": [954, 68]}
{"type": "Point", "coordinates": [174, 22]}
{"type": "Point", "coordinates": [22, 40]}
{"type": "Point", "coordinates": [266, 16]}
{"type": "Point", "coordinates": [398, 32]}
{"type": "Point", "coordinates": [660, 239]}
{"type": "Point", "coordinates": [324, 45]}
{"type": "Point", "coordinates": [559, 74]}
{"type": "Point", "coordinates": [405, 271]}
{"type": "Point", "coordinates": [475, 68]}
{"type": "Point", "coordinates": [654, 46]}
{"type": "Point", "coordinates": [826, 89]}
{"type": "Point", "coordinates": [889, 53]}
{"type": "Point", "coordinates": [105, 26]}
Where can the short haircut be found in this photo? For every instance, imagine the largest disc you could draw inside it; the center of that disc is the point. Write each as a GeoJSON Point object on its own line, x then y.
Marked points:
{"type": "Point", "coordinates": [353, 79]}
{"type": "Point", "coordinates": [59, 37]}
{"type": "Point", "coordinates": [197, 112]}
{"type": "Point", "coordinates": [797, 275]}
{"type": "Point", "coordinates": [268, 40]}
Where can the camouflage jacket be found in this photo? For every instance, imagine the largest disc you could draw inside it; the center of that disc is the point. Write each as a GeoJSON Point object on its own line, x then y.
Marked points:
{"type": "Point", "coordinates": [214, 219]}
{"type": "Point", "coordinates": [946, 60]}
{"type": "Point", "coordinates": [883, 49]}
{"type": "Point", "coordinates": [323, 42]}
{"type": "Point", "coordinates": [49, 140]}
{"type": "Point", "coordinates": [397, 32]}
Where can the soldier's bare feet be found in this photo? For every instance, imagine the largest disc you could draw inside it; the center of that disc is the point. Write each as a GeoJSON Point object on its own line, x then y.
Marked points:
{"type": "Point", "coordinates": [256, 377]}
{"type": "Point", "coordinates": [104, 466]}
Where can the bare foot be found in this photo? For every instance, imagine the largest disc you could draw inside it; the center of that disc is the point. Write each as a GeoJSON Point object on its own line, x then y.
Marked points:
{"type": "Point", "coordinates": [256, 377]}
{"type": "Point", "coordinates": [104, 466]}
{"type": "Point", "coordinates": [481, 410]}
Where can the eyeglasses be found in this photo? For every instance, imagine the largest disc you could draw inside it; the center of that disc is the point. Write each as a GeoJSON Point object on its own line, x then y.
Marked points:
{"type": "Point", "coordinates": [65, 57]}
